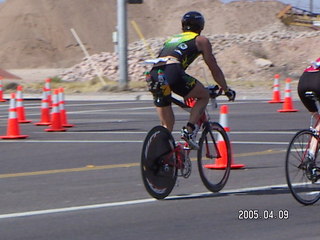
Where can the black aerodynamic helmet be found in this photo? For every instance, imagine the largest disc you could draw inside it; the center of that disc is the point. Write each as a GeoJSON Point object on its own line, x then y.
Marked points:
{"type": "Point", "coordinates": [192, 21]}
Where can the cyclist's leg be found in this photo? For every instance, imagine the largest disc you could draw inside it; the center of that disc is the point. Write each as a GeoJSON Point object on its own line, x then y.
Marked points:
{"type": "Point", "coordinates": [201, 94]}
{"type": "Point", "coordinates": [166, 117]}
{"type": "Point", "coordinates": [314, 141]}
{"type": "Point", "coordinates": [189, 87]}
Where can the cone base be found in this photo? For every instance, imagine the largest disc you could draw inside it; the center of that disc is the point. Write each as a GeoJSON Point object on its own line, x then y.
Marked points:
{"type": "Point", "coordinates": [24, 121]}
{"type": "Point", "coordinates": [223, 166]}
{"type": "Point", "coordinates": [288, 110]}
{"type": "Point", "coordinates": [14, 137]}
{"type": "Point", "coordinates": [275, 101]}
{"type": "Point", "coordinates": [67, 125]}
{"type": "Point", "coordinates": [43, 124]}
{"type": "Point", "coordinates": [55, 130]}
{"type": "Point", "coordinates": [237, 166]}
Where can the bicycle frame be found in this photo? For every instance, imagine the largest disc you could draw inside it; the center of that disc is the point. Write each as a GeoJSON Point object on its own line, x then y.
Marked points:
{"type": "Point", "coordinates": [187, 105]}
{"type": "Point", "coordinates": [177, 152]}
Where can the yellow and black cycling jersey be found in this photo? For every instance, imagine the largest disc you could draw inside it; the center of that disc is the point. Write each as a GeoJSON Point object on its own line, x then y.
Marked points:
{"type": "Point", "coordinates": [183, 47]}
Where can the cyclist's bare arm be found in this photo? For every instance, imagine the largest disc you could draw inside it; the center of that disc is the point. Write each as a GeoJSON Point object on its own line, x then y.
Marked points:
{"type": "Point", "coordinates": [205, 47]}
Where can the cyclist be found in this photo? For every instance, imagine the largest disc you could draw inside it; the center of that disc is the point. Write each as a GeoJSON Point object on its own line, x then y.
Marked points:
{"type": "Point", "coordinates": [310, 81]}
{"type": "Point", "coordinates": [168, 74]}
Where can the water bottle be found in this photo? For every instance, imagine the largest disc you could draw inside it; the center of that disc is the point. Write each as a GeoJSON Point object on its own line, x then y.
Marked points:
{"type": "Point", "coordinates": [161, 78]}
{"type": "Point", "coordinates": [148, 80]}
{"type": "Point", "coordinates": [148, 76]}
{"type": "Point", "coordinates": [163, 83]}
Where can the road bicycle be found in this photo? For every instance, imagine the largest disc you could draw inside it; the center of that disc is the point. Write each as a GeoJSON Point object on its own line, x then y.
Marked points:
{"type": "Point", "coordinates": [302, 170]}
{"type": "Point", "coordinates": [163, 159]}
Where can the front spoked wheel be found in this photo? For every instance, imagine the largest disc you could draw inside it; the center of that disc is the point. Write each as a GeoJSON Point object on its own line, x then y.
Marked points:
{"type": "Point", "coordinates": [302, 173]}
{"type": "Point", "coordinates": [214, 157]}
{"type": "Point", "coordinates": [158, 162]}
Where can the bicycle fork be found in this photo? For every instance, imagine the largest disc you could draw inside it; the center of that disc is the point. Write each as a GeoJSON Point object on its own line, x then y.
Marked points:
{"type": "Point", "coordinates": [209, 155]}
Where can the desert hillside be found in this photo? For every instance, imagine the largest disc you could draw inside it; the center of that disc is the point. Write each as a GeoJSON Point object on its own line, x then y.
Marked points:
{"type": "Point", "coordinates": [250, 43]}
{"type": "Point", "coordinates": [36, 33]}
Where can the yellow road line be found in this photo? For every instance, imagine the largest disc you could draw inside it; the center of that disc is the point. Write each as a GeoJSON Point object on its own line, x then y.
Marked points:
{"type": "Point", "coordinates": [68, 170]}
{"type": "Point", "coordinates": [112, 166]}
{"type": "Point", "coordinates": [270, 151]}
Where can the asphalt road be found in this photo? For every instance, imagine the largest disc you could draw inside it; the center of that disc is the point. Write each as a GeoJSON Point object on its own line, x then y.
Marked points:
{"type": "Point", "coordinates": [85, 183]}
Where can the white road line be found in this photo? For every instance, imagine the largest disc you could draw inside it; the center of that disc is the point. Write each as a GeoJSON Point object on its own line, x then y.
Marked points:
{"type": "Point", "coordinates": [71, 141]}
{"type": "Point", "coordinates": [131, 202]}
{"type": "Point", "coordinates": [126, 141]}
{"type": "Point", "coordinates": [176, 132]}
{"type": "Point", "coordinates": [258, 143]}
{"type": "Point", "coordinates": [111, 110]}
{"type": "Point", "coordinates": [69, 104]}
{"type": "Point", "coordinates": [263, 132]}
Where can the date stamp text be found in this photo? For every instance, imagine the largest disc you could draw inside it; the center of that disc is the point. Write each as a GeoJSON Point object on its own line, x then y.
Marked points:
{"type": "Point", "coordinates": [256, 214]}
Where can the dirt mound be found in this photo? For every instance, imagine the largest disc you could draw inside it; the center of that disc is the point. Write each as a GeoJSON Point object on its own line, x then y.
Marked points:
{"type": "Point", "coordinates": [36, 33]}
{"type": "Point", "coordinates": [245, 58]}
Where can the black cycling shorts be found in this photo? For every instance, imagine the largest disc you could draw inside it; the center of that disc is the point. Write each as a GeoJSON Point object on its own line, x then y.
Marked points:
{"type": "Point", "coordinates": [309, 81]}
{"type": "Point", "coordinates": [177, 79]}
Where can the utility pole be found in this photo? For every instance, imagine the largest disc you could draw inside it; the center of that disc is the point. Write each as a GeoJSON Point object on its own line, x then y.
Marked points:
{"type": "Point", "coordinates": [122, 43]}
{"type": "Point", "coordinates": [122, 38]}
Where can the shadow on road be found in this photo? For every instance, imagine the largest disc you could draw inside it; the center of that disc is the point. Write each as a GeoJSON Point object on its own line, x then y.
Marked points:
{"type": "Point", "coordinates": [257, 192]}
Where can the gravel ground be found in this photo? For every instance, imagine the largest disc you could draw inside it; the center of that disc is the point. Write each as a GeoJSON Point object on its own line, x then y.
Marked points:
{"type": "Point", "coordinates": [38, 75]}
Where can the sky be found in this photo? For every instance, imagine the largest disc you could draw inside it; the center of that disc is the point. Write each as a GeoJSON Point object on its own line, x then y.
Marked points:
{"type": "Point", "coordinates": [304, 4]}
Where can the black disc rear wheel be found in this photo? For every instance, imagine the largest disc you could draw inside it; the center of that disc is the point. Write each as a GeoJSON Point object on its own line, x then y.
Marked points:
{"type": "Point", "coordinates": [158, 167]}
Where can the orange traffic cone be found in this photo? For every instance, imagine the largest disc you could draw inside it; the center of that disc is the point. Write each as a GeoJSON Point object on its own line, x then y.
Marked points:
{"type": "Point", "coordinates": [45, 111]}
{"type": "Point", "coordinates": [63, 112]}
{"type": "Point", "coordinates": [20, 108]}
{"type": "Point", "coordinates": [56, 125]}
{"type": "Point", "coordinates": [13, 130]}
{"type": "Point", "coordinates": [221, 162]}
{"type": "Point", "coordinates": [288, 105]}
{"type": "Point", "coordinates": [223, 120]}
{"type": "Point", "coordinates": [48, 91]}
{"type": "Point", "coordinates": [276, 91]}
{"type": "Point", "coordinates": [1, 91]}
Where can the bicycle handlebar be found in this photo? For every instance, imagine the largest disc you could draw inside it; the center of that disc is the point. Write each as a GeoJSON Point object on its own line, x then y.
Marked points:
{"type": "Point", "coordinates": [214, 91]}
